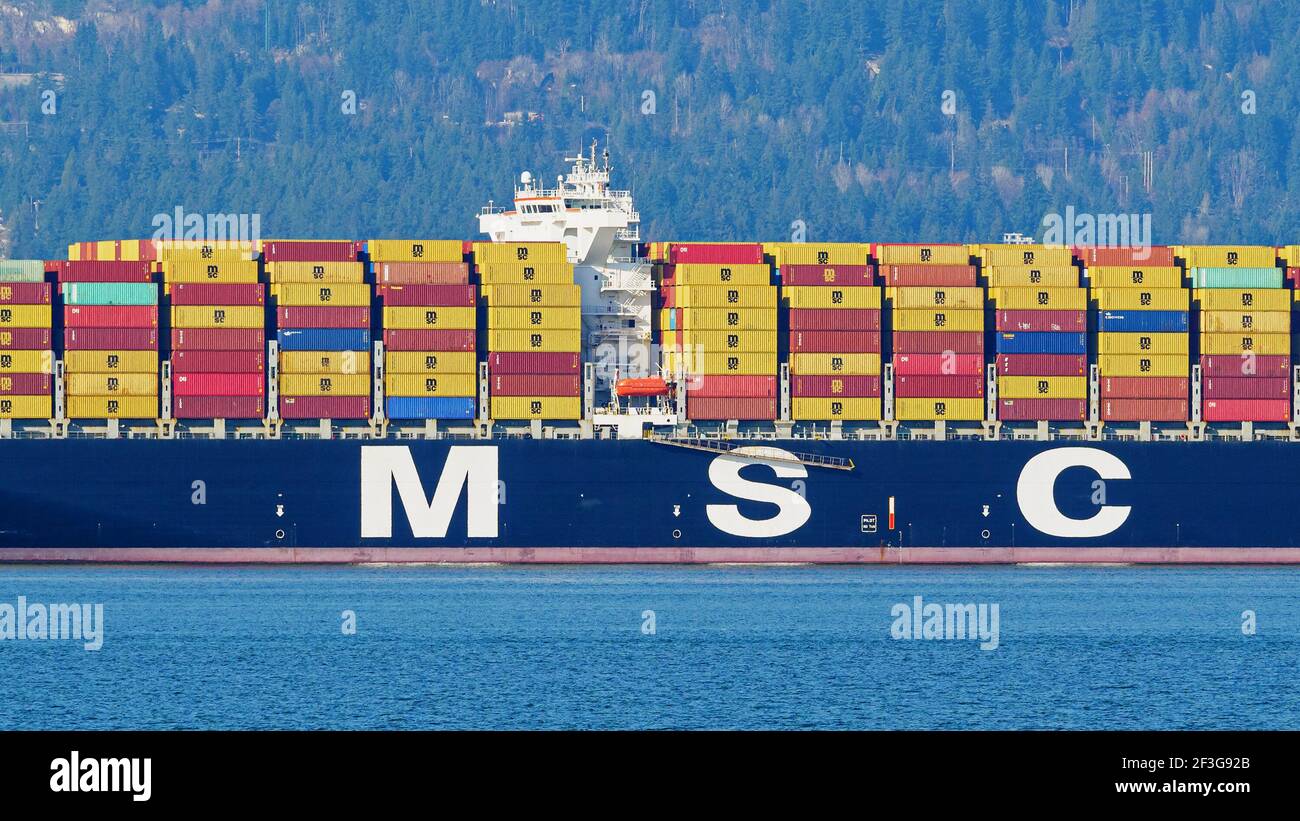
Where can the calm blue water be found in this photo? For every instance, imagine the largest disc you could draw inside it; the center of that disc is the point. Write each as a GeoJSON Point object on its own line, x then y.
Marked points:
{"type": "Point", "coordinates": [733, 647]}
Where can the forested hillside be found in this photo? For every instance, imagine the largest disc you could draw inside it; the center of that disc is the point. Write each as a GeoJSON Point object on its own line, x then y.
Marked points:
{"type": "Point", "coordinates": [884, 120]}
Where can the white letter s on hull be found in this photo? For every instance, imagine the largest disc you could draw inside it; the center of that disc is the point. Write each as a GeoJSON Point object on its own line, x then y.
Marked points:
{"type": "Point", "coordinates": [1036, 497]}
{"type": "Point", "coordinates": [724, 473]}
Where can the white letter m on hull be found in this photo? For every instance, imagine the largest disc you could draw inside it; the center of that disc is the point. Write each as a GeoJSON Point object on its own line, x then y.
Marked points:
{"type": "Point", "coordinates": [382, 465]}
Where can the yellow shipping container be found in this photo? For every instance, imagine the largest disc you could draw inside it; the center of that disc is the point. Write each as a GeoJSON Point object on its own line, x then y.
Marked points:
{"type": "Point", "coordinates": [530, 252]}
{"type": "Point", "coordinates": [702, 274]}
{"type": "Point", "coordinates": [430, 318]}
{"type": "Point", "coordinates": [741, 319]}
{"type": "Point", "coordinates": [821, 296]}
{"type": "Point", "coordinates": [1290, 254]}
{"type": "Point", "coordinates": [1130, 276]}
{"type": "Point", "coordinates": [331, 384]}
{"type": "Point", "coordinates": [835, 364]}
{"type": "Point", "coordinates": [112, 407]}
{"type": "Point", "coordinates": [111, 361]}
{"type": "Point", "coordinates": [1233, 299]}
{"type": "Point", "coordinates": [1047, 299]}
{"type": "Point", "coordinates": [324, 362]}
{"type": "Point", "coordinates": [1144, 343]}
{"type": "Point", "coordinates": [1264, 344]}
{"type": "Point", "coordinates": [1225, 256]}
{"type": "Point", "coordinates": [112, 384]}
{"type": "Point", "coordinates": [1260, 322]}
{"type": "Point", "coordinates": [1019, 277]}
{"type": "Point", "coordinates": [539, 341]}
{"type": "Point", "coordinates": [28, 361]}
{"type": "Point", "coordinates": [421, 384]}
{"type": "Point", "coordinates": [827, 408]}
{"type": "Point", "coordinates": [818, 253]}
{"type": "Point", "coordinates": [415, 250]}
{"type": "Point", "coordinates": [1142, 299]}
{"type": "Point", "coordinates": [1025, 256]}
{"type": "Point", "coordinates": [536, 407]}
{"type": "Point", "coordinates": [1042, 387]}
{"type": "Point", "coordinates": [545, 296]}
{"type": "Point", "coordinates": [346, 294]}
{"type": "Point", "coordinates": [195, 251]}
{"type": "Point", "coordinates": [214, 271]}
{"type": "Point", "coordinates": [932, 410]}
{"type": "Point", "coordinates": [955, 297]}
{"type": "Point", "coordinates": [25, 316]}
{"type": "Point", "coordinates": [561, 319]}
{"type": "Point", "coordinates": [26, 407]}
{"type": "Point", "coordinates": [923, 254]}
{"type": "Point", "coordinates": [217, 316]}
{"type": "Point", "coordinates": [740, 364]}
{"type": "Point", "coordinates": [1153, 365]}
{"type": "Point", "coordinates": [742, 341]}
{"type": "Point", "coordinates": [520, 274]}
{"type": "Point", "coordinates": [322, 272]}
{"type": "Point", "coordinates": [74, 252]}
{"type": "Point", "coordinates": [431, 362]}
{"type": "Point", "coordinates": [955, 319]}
{"type": "Point", "coordinates": [722, 296]}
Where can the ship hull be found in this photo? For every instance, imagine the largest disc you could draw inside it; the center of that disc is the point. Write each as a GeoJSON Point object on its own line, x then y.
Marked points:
{"type": "Point", "coordinates": [600, 502]}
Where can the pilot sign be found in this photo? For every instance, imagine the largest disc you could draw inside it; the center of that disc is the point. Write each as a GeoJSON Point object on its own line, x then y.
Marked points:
{"type": "Point", "coordinates": [868, 523]}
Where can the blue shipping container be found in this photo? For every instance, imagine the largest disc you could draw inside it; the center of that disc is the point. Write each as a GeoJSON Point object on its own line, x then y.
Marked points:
{"type": "Point", "coordinates": [324, 339]}
{"type": "Point", "coordinates": [1143, 321]}
{"type": "Point", "coordinates": [1042, 342]}
{"type": "Point", "coordinates": [431, 407]}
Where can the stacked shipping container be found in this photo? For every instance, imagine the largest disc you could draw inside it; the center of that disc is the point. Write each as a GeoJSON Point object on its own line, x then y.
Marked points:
{"type": "Point", "coordinates": [938, 339]}
{"type": "Point", "coordinates": [1143, 340]}
{"type": "Point", "coordinates": [430, 367]}
{"type": "Point", "coordinates": [26, 351]}
{"type": "Point", "coordinates": [534, 330]}
{"type": "Point", "coordinates": [718, 327]}
{"type": "Point", "coordinates": [218, 331]}
{"type": "Point", "coordinates": [1042, 341]}
{"type": "Point", "coordinates": [834, 330]}
{"type": "Point", "coordinates": [323, 328]}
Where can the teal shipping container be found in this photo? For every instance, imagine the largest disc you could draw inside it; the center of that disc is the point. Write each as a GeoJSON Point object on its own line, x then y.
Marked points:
{"type": "Point", "coordinates": [1236, 277]}
{"type": "Point", "coordinates": [110, 293]}
{"type": "Point", "coordinates": [22, 270]}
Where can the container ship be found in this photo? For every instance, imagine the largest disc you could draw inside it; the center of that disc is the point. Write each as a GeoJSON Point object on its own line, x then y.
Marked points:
{"type": "Point", "coordinates": [563, 391]}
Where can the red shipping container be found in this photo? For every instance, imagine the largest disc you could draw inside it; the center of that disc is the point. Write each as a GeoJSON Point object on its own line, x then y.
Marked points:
{"type": "Point", "coordinates": [207, 293]}
{"type": "Point", "coordinates": [1144, 410]}
{"type": "Point", "coordinates": [199, 361]}
{"type": "Point", "coordinates": [844, 386]}
{"type": "Point", "coordinates": [929, 276]}
{"type": "Point", "coordinates": [667, 297]}
{"type": "Point", "coordinates": [112, 271]}
{"type": "Point", "coordinates": [938, 341]}
{"type": "Point", "coordinates": [750, 253]}
{"type": "Point", "coordinates": [218, 339]}
{"type": "Point", "coordinates": [310, 250]}
{"type": "Point", "coordinates": [841, 275]}
{"type": "Point", "coordinates": [714, 386]}
{"type": "Point", "coordinates": [925, 385]}
{"type": "Point", "coordinates": [25, 384]}
{"type": "Point", "coordinates": [219, 384]}
{"type": "Point", "coordinates": [437, 296]}
{"type": "Point", "coordinates": [1049, 410]}
{"type": "Point", "coordinates": [1040, 321]}
{"type": "Point", "coordinates": [110, 316]}
{"type": "Point", "coordinates": [317, 316]}
{"type": "Point", "coordinates": [1145, 387]}
{"type": "Point", "coordinates": [424, 339]}
{"type": "Point", "coordinates": [729, 408]}
{"type": "Point", "coordinates": [422, 273]}
{"type": "Point", "coordinates": [25, 293]}
{"type": "Point", "coordinates": [1155, 256]}
{"type": "Point", "coordinates": [834, 319]}
{"type": "Point", "coordinates": [1275, 365]}
{"type": "Point", "coordinates": [550, 384]}
{"type": "Point", "coordinates": [111, 339]}
{"type": "Point", "coordinates": [1246, 387]}
{"type": "Point", "coordinates": [219, 407]}
{"type": "Point", "coordinates": [835, 341]}
{"type": "Point", "coordinates": [1246, 410]}
{"type": "Point", "coordinates": [525, 362]}
{"type": "Point", "coordinates": [325, 407]}
{"type": "Point", "coordinates": [1042, 364]}
{"type": "Point", "coordinates": [25, 339]}
{"type": "Point", "coordinates": [938, 364]}
{"type": "Point", "coordinates": [1293, 275]}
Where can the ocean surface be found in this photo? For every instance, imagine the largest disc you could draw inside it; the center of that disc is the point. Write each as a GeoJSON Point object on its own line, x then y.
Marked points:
{"type": "Point", "coordinates": [655, 647]}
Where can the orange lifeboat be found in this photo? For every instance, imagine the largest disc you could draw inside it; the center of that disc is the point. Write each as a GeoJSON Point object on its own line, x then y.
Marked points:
{"type": "Point", "coordinates": [643, 386]}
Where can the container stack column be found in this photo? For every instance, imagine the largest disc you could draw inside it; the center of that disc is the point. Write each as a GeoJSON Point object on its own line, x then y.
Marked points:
{"type": "Point", "coordinates": [26, 349]}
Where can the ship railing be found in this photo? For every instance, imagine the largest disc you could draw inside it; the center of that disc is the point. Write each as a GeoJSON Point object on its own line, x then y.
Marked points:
{"type": "Point", "coordinates": [762, 454]}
